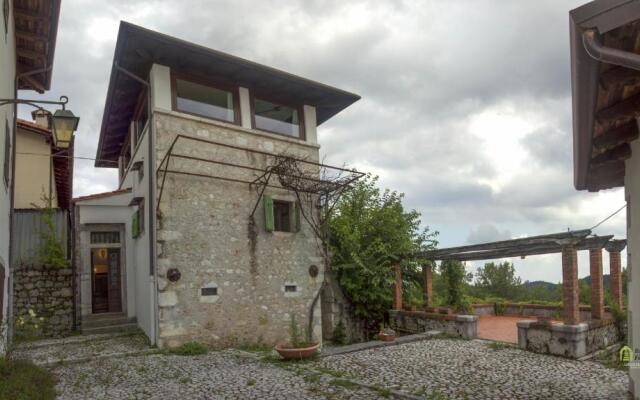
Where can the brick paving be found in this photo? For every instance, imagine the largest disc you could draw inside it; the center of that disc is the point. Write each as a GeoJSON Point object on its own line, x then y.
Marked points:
{"type": "Point", "coordinates": [432, 369]}
{"type": "Point", "coordinates": [501, 328]}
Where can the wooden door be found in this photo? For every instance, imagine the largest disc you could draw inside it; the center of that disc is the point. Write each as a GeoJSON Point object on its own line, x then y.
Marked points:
{"type": "Point", "coordinates": [115, 288]}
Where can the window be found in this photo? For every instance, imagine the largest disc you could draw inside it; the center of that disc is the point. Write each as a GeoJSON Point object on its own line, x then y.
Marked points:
{"type": "Point", "coordinates": [140, 118]}
{"type": "Point", "coordinates": [105, 237]}
{"type": "Point", "coordinates": [209, 291]}
{"type": "Point", "coordinates": [290, 288]}
{"type": "Point", "coordinates": [205, 100]}
{"type": "Point", "coordinates": [7, 154]}
{"type": "Point", "coordinates": [277, 118]}
{"type": "Point", "coordinates": [281, 216]}
{"type": "Point", "coordinates": [137, 221]}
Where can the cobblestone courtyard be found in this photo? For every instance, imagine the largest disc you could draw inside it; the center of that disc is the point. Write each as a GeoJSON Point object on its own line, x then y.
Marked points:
{"type": "Point", "coordinates": [432, 369]}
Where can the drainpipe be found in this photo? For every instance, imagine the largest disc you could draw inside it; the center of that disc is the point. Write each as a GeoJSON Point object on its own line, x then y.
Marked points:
{"type": "Point", "coordinates": [608, 55]}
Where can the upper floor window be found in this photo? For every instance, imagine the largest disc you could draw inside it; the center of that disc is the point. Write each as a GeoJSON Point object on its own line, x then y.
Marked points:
{"type": "Point", "coordinates": [277, 118]}
{"type": "Point", "coordinates": [205, 100]}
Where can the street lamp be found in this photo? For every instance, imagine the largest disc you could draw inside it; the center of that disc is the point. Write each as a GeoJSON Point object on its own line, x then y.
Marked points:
{"type": "Point", "coordinates": [64, 123]}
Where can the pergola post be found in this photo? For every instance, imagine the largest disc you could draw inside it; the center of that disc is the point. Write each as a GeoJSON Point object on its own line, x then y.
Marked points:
{"type": "Point", "coordinates": [597, 291]}
{"type": "Point", "coordinates": [397, 287]}
{"type": "Point", "coordinates": [571, 308]}
{"type": "Point", "coordinates": [614, 248]}
{"type": "Point", "coordinates": [427, 274]}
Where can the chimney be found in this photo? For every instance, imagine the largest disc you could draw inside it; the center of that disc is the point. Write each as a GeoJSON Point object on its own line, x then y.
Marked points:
{"type": "Point", "coordinates": [42, 118]}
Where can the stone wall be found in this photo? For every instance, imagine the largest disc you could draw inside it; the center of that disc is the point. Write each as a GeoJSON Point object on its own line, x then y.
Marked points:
{"type": "Point", "coordinates": [534, 310]}
{"type": "Point", "coordinates": [465, 326]}
{"type": "Point", "coordinates": [338, 311]}
{"type": "Point", "coordinates": [571, 341]}
{"type": "Point", "coordinates": [238, 283]}
{"type": "Point", "coordinates": [48, 293]}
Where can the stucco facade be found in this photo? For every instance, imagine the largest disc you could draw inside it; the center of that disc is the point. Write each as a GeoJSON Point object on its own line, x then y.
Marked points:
{"type": "Point", "coordinates": [34, 171]}
{"type": "Point", "coordinates": [7, 122]}
{"type": "Point", "coordinates": [632, 193]}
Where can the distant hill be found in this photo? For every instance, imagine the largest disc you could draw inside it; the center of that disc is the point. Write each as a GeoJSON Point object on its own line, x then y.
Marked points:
{"type": "Point", "coordinates": [551, 286]}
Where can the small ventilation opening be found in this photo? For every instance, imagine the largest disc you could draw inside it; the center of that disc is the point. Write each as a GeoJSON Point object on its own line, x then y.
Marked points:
{"type": "Point", "coordinates": [209, 291]}
{"type": "Point", "coordinates": [290, 288]}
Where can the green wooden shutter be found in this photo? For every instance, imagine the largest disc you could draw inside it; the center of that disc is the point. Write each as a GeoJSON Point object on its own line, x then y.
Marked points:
{"type": "Point", "coordinates": [135, 226]}
{"type": "Point", "coordinates": [268, 213]}
{"type": "Point", "coordinates": [296, 216]}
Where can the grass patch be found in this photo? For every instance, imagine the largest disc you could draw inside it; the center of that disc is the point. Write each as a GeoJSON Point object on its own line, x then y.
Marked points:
{"type": "Point", "coordinates": [23, 380]}
{"type": "Point", "coordinates": [184, 380]}
{"type": "Point", "coordinates": [189, 349]}
{"type": "Point", "coordinates": [499, 346]}
{"type": "Point", "coordinates": [382, 391]}
{"type": "Point", "coordinates": [256, 348]}
{"type": "Point", "coordinates": [251, 382]}
{"type": "Point", "coordinates": [345, 383]}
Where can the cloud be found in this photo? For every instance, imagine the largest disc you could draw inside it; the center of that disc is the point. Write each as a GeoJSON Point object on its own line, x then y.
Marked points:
{"type": "Point", "coordinates": [465, 105]}
{"type": "Point", "coordinates": [487, 233]}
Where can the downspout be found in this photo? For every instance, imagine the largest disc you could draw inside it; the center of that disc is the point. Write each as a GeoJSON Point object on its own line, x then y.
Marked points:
{"type": "Point", "coordinates": [608, 55]}
{"type": "Point", "coordinates": [151, 202]}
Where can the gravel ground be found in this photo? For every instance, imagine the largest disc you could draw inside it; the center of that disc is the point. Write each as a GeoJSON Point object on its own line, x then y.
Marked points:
{"type": "Point", "coordinates": [432, 369]}
{"type": "Point", "coordinates": [462, 369]}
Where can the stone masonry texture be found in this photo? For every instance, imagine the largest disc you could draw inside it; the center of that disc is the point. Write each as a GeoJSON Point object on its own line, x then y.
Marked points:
{"type": "Point", "coordinates": [597, 291]}
{"type": "Point", "coordinates": [205, 232]}
{"type": "Point", "coordinates": [48, 293]}
{"type": "Point", "coordinates": [571, 314]}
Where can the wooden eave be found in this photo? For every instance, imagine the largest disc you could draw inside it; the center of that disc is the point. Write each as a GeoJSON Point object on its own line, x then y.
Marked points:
{"type": "Point", "coordinates": [606, 97]}
{"type": "Point", "coordinates": [137, 49]}
{"type": "Point", "coordinates": [36, 27]}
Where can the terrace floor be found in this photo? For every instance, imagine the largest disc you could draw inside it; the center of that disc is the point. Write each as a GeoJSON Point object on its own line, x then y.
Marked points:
{"type": "Point", "coordinates": [499, 328]}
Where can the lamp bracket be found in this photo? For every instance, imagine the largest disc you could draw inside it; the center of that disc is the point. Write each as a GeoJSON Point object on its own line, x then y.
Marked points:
{"type": "Point", "coordinates": [34, 103]}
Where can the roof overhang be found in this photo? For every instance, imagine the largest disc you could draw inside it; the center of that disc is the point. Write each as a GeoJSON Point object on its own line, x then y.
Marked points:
{"type": "Point", "coordinates": [601, 128]}
{"type": "Point", "coordinates": [36, 29]}
{"type": "Point", "coordinates": [137, 49]}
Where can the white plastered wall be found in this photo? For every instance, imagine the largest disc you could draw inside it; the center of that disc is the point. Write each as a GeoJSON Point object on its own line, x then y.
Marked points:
{"type": "Point", "coordinates": [632, 192]}
{"type": "Point", "coordinates": [34, 169]}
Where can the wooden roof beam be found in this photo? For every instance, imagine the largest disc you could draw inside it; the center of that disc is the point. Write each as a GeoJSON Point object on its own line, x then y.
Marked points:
{"type": "Point", "coordinates": [619, 76]}
{"type": "Point", "coordinates": [30, 54]}
{"type": "Point", "coordinates": [621, 111]}
{"type": "Point", "coordinates": [34, 83]}
{"type": "Point", "coordinates": [620, 152]}
{"type": "Point", "coordinates": [618, 135]}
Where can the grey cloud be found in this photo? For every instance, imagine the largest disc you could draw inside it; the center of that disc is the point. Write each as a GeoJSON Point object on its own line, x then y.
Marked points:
{"type": "Point", "coordinates": [487, 233]}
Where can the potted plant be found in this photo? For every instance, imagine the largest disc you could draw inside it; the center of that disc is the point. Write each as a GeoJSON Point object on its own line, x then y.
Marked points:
{"type": "Point", "coordinates": [386, 334]}
{"type": "Point", "coordinates": [297, 348]}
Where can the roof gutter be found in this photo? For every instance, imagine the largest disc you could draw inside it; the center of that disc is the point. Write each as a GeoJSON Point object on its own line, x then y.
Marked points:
{"type": "Point", "coordinates": [608, 55]}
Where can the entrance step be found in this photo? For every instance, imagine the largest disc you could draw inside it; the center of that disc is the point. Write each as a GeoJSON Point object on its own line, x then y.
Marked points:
{"type": "Point", "coordinates": [108, 323]}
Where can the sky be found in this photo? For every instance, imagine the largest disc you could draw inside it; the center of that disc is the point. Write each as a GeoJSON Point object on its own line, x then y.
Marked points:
{"type": "Point", "coordinates": [466, 104]}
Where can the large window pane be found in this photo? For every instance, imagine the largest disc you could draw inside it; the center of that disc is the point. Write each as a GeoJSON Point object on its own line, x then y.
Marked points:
{"type": "Point", "coordinates": [204, 100]}
{"type": "Point", "coordinates": [277, 118]}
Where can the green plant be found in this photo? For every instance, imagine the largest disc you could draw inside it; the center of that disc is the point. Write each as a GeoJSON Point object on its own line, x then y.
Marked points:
{"type": "Point", "coordinates": [498, 308]}
{"type": "Point", "coordinates": [23, 380]}
{"type": "Point", "coordinates": [29, 327]}
{"type": "Point", "coordinates": [455, 276]}
{"type": "Point", "coordinates": [620, 318]}
{"type": "Point", "coordinates": [251, 382]}
{"type": "Point", "coordinates": [51, 251]}
{"type": "Point", "coordinates": [345, 383]}
{"type": "Point", "coordinates": [189, 349]}
{"type": "Point", "coordinates": [499, 346]}
{"type": "Point", "coordinates": [370, 230]}
{"type": "Point", "coordinates": [339, 335]}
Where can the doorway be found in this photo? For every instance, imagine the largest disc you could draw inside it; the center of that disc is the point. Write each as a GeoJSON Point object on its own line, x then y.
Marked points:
{"type": "Point", "coordinates": [106, 289]}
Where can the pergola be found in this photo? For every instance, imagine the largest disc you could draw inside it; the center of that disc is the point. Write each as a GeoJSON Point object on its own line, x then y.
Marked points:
{"type": "Point", "coordinates": [567, 243]}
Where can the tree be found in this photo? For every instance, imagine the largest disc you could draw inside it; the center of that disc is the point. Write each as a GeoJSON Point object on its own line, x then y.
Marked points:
{"type": "Point", "coordinates": [498, 279]}
{"type": "Point", "coordinates": [370, 230]}
{"type": "Point", "coordinates": [455, 278]}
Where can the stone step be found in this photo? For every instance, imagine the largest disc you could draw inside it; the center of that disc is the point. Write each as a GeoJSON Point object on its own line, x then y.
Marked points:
{"type": "Point", "coordinates": [97, 321]}
{"type": "Point", "coordinates": [118, 328]}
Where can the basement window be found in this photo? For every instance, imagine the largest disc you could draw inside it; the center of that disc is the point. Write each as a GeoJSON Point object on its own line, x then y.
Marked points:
{"type": "Point", "coordinates": [209, 291]}
{"type": "Point", "coordinates": [290, 288]}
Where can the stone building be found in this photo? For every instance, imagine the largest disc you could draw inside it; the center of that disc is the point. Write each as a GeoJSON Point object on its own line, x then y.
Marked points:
{"type": "Point", "coordinates": [188, 248]}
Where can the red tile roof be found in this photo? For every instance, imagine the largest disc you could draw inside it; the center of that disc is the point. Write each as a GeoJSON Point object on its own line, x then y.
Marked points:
{"type": "Point", "coordinates": [101, 195]}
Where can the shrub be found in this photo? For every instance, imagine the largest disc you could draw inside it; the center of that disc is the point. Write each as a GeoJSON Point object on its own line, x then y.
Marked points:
{"type": "Point", "coordinates": [190, 349]}
{"type": "Point", "coordinates": [23, 380]}
{"type": "Point", "coordinates": [339, 335]}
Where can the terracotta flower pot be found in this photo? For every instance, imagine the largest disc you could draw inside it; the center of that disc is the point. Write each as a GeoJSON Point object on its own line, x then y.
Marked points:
{"type": "Point", "coordinates": [291, 353]}
{"type": "Point", "coordinates": [387, 337]}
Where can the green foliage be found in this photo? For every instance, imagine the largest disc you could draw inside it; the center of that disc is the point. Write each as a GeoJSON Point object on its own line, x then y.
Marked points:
{"type": "Point", "coordinates": [22, 380]}
{"type": "Point", "coordinates": [190, 349]}
{"type": "Point", "coordinates": [498, 279]}
{"type": "Point", "coordinates": [370, 230]}
{"type": "Point", "coordinates": [29, 327]}
{"type": "Point", "coordinates": [620, 317]}
{"type": "Point", "coordinates": [498, 307]}
{"type": "Point", "coordinates": [455, 277]}
{"type": "Point", "coordinates": [297, 338]}
{"type": "Point", "coordinates": [339, 335]}
{"type": "Point", "coordinates": [51, 252]}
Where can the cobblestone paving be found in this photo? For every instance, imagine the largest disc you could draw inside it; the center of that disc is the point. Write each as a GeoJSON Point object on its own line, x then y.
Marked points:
{"type": "Point", "coordinates": [217, 375]}
{"type": "Point", "coordinates": [461, 369]}
{"type": "Point", "coordinates": [432, 369]}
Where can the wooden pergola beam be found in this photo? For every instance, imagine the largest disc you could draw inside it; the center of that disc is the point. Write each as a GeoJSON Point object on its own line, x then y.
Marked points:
{"type": "Point", "coordinates": [506, 244]}
{"type": "Point", "coordinates": [523, 250]}
{"type": "Point", "coordinates": [616, 136]}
